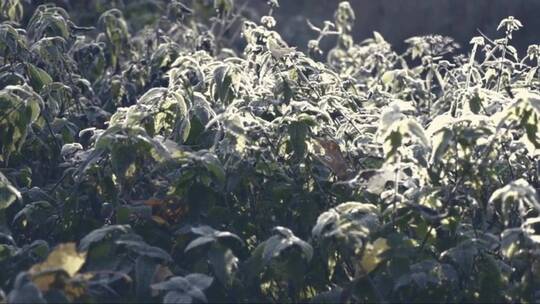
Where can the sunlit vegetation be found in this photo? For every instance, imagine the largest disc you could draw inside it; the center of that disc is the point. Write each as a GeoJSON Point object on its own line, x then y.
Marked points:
{"type": "Point", "coordinates": [181, 152]}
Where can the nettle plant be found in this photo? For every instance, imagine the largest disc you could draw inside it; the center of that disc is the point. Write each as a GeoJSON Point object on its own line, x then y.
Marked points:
{"type": "Point", "coordinates": [194, 156]}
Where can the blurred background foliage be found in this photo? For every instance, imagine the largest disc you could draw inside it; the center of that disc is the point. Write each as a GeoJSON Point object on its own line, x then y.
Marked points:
{"type": "Point", "coordinates": [396, 20]}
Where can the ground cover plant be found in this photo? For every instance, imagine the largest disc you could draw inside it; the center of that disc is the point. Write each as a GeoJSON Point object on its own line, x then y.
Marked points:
{"type": "Point", "coordinates": [182, 152]}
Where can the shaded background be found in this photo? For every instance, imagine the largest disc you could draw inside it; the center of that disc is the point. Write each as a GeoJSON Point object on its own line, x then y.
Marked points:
{"type": "Point", "coordinates": [398, 20]}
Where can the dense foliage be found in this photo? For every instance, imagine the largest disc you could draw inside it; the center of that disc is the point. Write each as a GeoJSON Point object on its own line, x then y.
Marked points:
{"type": "Point", "coordinates": [180, 152]}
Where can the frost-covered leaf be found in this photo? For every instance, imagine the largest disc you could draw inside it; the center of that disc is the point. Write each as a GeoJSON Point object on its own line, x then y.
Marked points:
{"type": "Point", "coordinates": [101, 234]}
{"type": "Point", "coordinates": [191, 287]}
{"type": "Point", "coordinates": [350, 221]}
{"type": "Point", "coordinates": [144, 249]}
{"type": "Point", "coordinates": [8, 193]}
{"type": "Point", "coordinates": [283, 240]}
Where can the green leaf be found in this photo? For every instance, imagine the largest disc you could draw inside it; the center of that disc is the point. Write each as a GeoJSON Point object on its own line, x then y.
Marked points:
{"type": "Point", "coordinates": [392, 143]}
{"type": "Point", "coordinates": [34, 215]}
{"type": "Point", "coordinates": [223, 84]}
{"type": "Point", "coordinates": [298, 135]}
{"type": "Point", "coordinates": [212, 163]}
{"type": "Point", "coordinates": [144, 271]}
{"type": "Point", "coordinates": [12, 43]}
{"type": "Point", "coordinates": [122, 159]}
{"type": "Point", "coordinates": [38, 77]}
{"type": "Point", "coordinates": [462, 256]}
{"type": "Point", "coordinates": [442, 140]}
{"type": "Point", "coordinates": [491, 281]}
{"type": "Point", "coordinates": [475, 103]}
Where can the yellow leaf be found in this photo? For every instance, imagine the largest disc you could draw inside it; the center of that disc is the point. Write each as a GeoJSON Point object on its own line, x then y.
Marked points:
{"type": "Point", "coordinates": [372, 254]}
{"type": "Point", "coordinates": [159, 220]}
{"type": "Point", "coordinates": [64, 257]}
{"type": "Point", "coordinates": [44, 280]}
{"type": "Point", "coordinates": [74, 290]}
